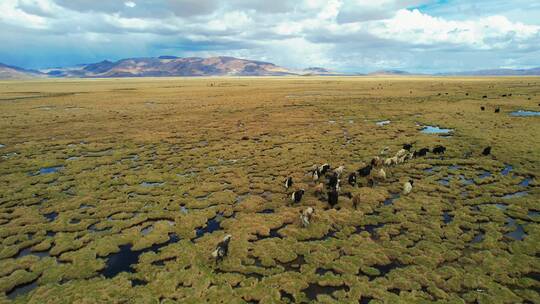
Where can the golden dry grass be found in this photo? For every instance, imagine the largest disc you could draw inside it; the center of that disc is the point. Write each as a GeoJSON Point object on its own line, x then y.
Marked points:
{"type": "Point", "coordinates": [143, 161]}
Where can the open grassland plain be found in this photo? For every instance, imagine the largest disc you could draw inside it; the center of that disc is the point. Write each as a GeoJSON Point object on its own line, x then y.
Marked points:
{"type": "Point", "coordinates": [118, 191]}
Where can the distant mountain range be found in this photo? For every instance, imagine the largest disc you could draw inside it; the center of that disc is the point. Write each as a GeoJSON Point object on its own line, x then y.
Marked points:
{"type": "Point", "coordinates": [169, 66]}
{"type": "Point", "coordinates": [389, 73]}
{"type": "Point", "coordinates": [165, 66]}
{"type": "Point", "coordinates": [498, 72]}
{"type": "Point", "coordinates": [12, 72]}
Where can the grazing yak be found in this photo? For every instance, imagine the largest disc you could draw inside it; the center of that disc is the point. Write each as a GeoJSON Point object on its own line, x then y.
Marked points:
{"type": "Point", "coordinates": [288, 182]}
{"type": "Point", "coordinates": [365, 171]}
{"type": "Point", "coordinates": [439, 149]}
{"type": "Point", "coordinates": [222, 248]}
{"type": "Point", "coordinates": [339, 170]}
{"type": "Point", "coordinates": [315, 175]}
{"type": "Point", "coordinates": [333, 181]}
{"type": "Point", "coordinates": [352, 179]}
{"type": "Point", "coordinates": [333, 198]}
{"type": "Point", "coordinates": [297, 195]}
{"type": "Point", "coordinates": [421, 152]}
{"type": "Point", "coordinates": [305, 216]}
{"type": "Point", "coordinates": [407, 187]}
{"type": "Point", "coordinates": [407, 147]}
{"type": "Point", "coordinates": [356, 200]}
{"type": "Point", "coordinates": [323, 169]}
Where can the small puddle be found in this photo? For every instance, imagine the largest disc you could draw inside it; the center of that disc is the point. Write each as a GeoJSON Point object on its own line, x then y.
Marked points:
{"type": "Point", "coordinates": [123, 260]}
{"type": "Point", "coordinates": [137, 282]}
{"type": "Point", "coordinates": [522, 113]}
{"type": "Point", "coordinates": [152, 184]}
{"type": "Point", "coordinates": [322, 271]}
{"type": "Point", "coordinates": [525, 182]}
{"type": "Point", "coordinates": [484, 174]}
{"type": "Point", "coordinates": [22, 289]}
{"type": "Point", "coordinates": [447, 217]}
{"type": "Point", "coordinates": [132, 157]}
{"type": "Point", "coordinates": [28, 251]}
{"type": "Point", "coordinates": [516, 194]}
{"type": "Point", "coordinates": [51, 216]}
{"type": "Point", "coordinates": [365, 300]}
{"type": "Point", "coordinates": [391, 199]}
{"type": "Point", "coordinates": [147, 230]}
{"type": "Point", "coordinates": [212, 225]}
{"type": "Point", "coordinates": [385, 269]}
{"type": "Point", "coordinates": [444, 181]}
{"type": "Point", "coordinates": [184, 210]}
{"type": "Point", "coordinates": [1, 145]}
{"type": "Point", "coordinates": [294, 265]}
{"type": "Point", "coordinates": [533, 213]}
{"type": "Point", "coordinates": [382, 123]}
{"type": "Point", "coordinates": [501, 206]}
{"type": "Point", "coordinates": [478, 238]}
{"type": "Point", "coordinates": [49, 170]}
{"type": "Point", "coordinates": [435, 130]}
{"type": "Point", "coordinates": [266, 211]}
{"type": "Point", "coordinates": [272, 234]}
{"type": "Point", "coordinates": [466, 181]}
{"type": "Point", "coordinates": [507, 170]}
{"type": "Point", "coordinates": [71, 158]}
{"type": "Point", "coordinates": [369, 228]}
{"type": "Point", "coordinates": [432, 169]}
{"type": "Point", "coordinates": [287, 296]}
{"type": "Point", "coordinates": [314, 289]}
{"type": "Point", "coordinates": [517, 233]}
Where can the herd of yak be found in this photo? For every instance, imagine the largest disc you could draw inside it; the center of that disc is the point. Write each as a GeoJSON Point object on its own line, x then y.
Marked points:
{"type": "Point", "coordinates": [373, 173]}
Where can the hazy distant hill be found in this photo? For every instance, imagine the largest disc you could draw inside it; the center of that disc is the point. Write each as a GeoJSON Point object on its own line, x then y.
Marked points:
{"type": "Point", "coordinates": [498, 72]}
{"type": "Point", "coordinates": [212, 66]}
{"type": "Point", "coordinates": [11, 72]}
{"type": "Point", "coordinates": [389, 73]}
{"type": "Point", "coordinates": [173, 66]}
{"type": "Point", "coordinates": [318, 71]}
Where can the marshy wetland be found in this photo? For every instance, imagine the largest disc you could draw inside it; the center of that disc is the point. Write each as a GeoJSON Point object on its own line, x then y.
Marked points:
{"type": "Point", "coordinates": [118, 190]}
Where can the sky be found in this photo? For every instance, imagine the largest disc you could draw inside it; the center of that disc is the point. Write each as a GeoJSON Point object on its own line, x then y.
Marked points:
{"type": "Point", "coordinates": [425, 36]}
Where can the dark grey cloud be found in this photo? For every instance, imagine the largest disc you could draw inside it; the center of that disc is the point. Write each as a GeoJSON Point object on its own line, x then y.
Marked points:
{"type": "Point", "coordinates": [352, 36]}
{"type": "Point", "coordinates": [263, 6]}
{"type": "Point", "coordinates": [144, 8]}
{"type": "Point", "coordinates": [188, 8]}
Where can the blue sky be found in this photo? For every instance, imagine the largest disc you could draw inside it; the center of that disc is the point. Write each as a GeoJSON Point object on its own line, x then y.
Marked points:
{"type": "Point", "coordinates": [344, 35]}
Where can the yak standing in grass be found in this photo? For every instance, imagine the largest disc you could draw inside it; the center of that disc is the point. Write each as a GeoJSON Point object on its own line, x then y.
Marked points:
{"type": "Point", "coordinates": [296, 197]}
{"type": "Point", "coordinates": [288, 182]}
{"type": "Point", "coordinates": [332, 198]}
{"type": "Point", "coordinates": [305, 216]}
{"type": "Point", "coordinates": [407, 187]}
{"type": "Point", "coordinates": [439, 149]}
{"type": "Point", "coordinates": [222, 249]}
{"type": "Point", "coordinates": [352, 179]}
